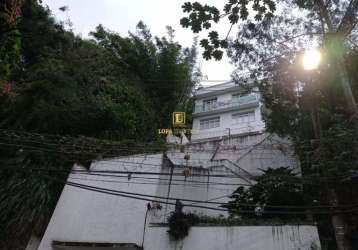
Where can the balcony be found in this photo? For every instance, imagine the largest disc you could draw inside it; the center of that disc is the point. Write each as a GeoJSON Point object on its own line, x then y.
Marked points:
{"type": "Point", "coordinates": [246, 101]}
{"type": "Point", "coordinates": [198, 135]}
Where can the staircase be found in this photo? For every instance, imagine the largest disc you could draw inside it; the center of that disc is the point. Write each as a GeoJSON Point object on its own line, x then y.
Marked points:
{"type": "Point", "coordinates": [234, 168]}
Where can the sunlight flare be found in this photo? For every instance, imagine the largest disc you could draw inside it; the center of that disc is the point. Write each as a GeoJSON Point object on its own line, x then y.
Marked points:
{"type": "Point", "coordinates": [311, 59]}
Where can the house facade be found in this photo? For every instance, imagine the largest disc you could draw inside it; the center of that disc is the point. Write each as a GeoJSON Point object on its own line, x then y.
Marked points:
{"type": "Point", "coordinates": [224, 111]}
{"type": "Point", "coordinates": [127, 206]}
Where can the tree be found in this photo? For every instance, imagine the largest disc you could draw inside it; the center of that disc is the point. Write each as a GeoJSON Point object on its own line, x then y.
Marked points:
{"type": "Point", "coordinates": [316, 109]}
{"type": "Point", "coordinates": [163, 69]}
{"type": "Point", "coordinates": [264, 199]}
{"type": "Point", "coordinates": [111, 88]}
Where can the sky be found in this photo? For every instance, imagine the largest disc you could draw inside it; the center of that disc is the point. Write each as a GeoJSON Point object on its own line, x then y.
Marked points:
{"type": "Point", "coordinates": [122, 16]}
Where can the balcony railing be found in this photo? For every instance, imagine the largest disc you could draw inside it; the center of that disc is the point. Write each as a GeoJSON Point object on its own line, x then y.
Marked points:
{"type": "Point", "coordinates": [222, 105]}
{"type": "Point", "coordinates": [246, 128]}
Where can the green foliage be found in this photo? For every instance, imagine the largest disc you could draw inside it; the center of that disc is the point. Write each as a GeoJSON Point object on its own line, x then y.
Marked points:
{"type": "Point", "coordinates": [310, 107]}
{"type": "Point", "coordinates": [274, 188]}
{"type": "Point", "coordinates": [27, 197]}
{"type": "Point", "coordinates": [110, 87]}
{"type": "Point", "coordinates": [202, 16]}
{"type": "Point", "coordinates": [163, 70]}
{"type": "Point", "coordinates": [10, 39]}
{"type": "Point", "coordinates": [180, 223]}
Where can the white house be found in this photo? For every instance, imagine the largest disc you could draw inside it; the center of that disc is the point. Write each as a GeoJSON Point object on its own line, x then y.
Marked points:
{"type": "Point", "coordinates": [223, 110]}
{"type": "Point", "coordinates": [228, 148]}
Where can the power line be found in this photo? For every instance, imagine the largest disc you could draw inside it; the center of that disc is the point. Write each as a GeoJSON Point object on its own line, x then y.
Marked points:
{"type": "Point", "coordinates": [134, 195]}
{"type": "Point", "coordinates": [309, 179]}
{"type": "Point", "coordinates": [63, 140]}
{"type": "Point", "coordinates": [158, 173]}
{"type": "Point", "coordinates": [199, 186]}
{"type": "Point", "coordinates": [254, 146]}
{"type": "Point", "coordinates": [20, 142]}
{"type": "Point", "coordinates": [136, 163]}
{"type": "Point", "coordinates": [147, 195]}
{"type": "Point", "coordinates": [144, 197]}
{"type": "Point", "coordinates": [312, 178]}
{"type": "Point", "coordinates": [216, 203]}
{"type": "Point", "coordinates": [203, 183]}
{"type": "Point", "coordinates": [130, 150]}
{"type": "Point", "coordinates": [198, 201]}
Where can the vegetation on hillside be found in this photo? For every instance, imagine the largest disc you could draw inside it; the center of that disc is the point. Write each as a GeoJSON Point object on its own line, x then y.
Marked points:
{"type": "Point", "coordinates": [110, 87]}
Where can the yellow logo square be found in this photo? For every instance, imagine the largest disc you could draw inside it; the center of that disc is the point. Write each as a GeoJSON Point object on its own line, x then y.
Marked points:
{"type": "Point", "coordinates": [178, 118]}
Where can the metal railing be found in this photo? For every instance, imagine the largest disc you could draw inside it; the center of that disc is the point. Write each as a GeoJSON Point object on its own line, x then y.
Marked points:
{"type": "Point", "coordinates": [232, 103]}
{"type": "Point", "coordinates": [245, 128]}
{"type": "Point", "coordinates": [248, 177]}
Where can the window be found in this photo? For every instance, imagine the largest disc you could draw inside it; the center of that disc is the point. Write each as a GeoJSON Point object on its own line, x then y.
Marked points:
{"type": "Point", "coordinates": [210, 123]}
{"type": "Point", "coordinates": [243, 117]}
{"type": "Point", "coordinates": [209, 104]}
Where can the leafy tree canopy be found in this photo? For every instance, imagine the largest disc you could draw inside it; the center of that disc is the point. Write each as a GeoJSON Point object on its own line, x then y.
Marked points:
{"type": "Point", "coordinates": [53, 82]}
{"type": "Point", "coordinates": [275, 188]}
{"type": "Point", "coordinates": [317, 109]}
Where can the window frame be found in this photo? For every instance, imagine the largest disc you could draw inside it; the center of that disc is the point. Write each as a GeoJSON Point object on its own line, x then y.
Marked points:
{"type": "Point", "coordinates": [250, 115]}
{"type": "Point", "coordinates": [209, 123]}
{"type": "Point", "coordinates": [210, 104]}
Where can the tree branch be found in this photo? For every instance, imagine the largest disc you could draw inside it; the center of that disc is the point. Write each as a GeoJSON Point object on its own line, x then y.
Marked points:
{"type": "Point", "coordinates": [349, 20]}
{"type": "Point", "coordinates": [324, 14]}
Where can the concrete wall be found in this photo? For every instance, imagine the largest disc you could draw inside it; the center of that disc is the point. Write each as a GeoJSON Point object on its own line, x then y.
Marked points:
{"type": "Point", "coordinates": [261, 151]}
{"type": "Point", "coordinates": [197, 187]}
{"type": "Point", "coordinates": [88, 216]}
{"type": "Point", "coordinates": [237, 238]}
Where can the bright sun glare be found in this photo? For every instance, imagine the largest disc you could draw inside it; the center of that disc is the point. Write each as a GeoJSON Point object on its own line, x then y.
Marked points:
{"type": "Point", "coordinates": [311, 59]}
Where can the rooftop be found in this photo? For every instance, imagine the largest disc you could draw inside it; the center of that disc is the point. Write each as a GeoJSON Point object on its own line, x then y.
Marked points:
{"type": "Point", "coordinates": [218, 88]}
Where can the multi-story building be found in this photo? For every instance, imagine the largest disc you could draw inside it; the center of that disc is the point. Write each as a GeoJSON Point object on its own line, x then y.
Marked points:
{"type": "Point", "coordinates": [224, 110]}
{"type": "Point", "coordinates": [229, 148]}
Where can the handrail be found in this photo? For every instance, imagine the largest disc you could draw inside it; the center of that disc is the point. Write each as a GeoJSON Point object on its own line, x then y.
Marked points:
{"type": "Point", "coordinates": [250, 176]}
{"type": "Point", "coordinates": [207, 133]}
{"type": "Point", "coordinates": [240, 101]}
{"type": "Point", "coordinates": [245, 171]}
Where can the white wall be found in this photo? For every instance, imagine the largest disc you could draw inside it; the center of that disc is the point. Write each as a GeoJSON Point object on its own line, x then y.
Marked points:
{"type": "Point", "coordinates": [226, 122]}
{"type": "Point", "coordinates": [262, 151]}
{"type": "Point", "coordinates": [236, 238]}
{"type": "Point", "coordinates": [88, 216]}
{"type": "Point", "coordinates": [197, 188]}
